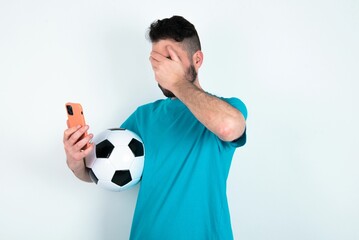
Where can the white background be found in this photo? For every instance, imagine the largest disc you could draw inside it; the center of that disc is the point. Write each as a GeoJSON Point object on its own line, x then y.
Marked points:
{"type": "Point", "coordinates": [294, 63]}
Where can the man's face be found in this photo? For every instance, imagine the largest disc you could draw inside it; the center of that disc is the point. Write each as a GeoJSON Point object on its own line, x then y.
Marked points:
{"type": "Point", "coordinates": [161, 48]}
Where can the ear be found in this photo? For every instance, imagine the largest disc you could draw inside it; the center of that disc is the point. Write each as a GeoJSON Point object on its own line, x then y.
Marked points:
{"type": "Point", "coordinates": [197, 59]}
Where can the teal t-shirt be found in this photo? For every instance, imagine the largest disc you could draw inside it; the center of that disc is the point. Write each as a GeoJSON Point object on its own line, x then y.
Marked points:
{"type": "Point", "coordinates": [183, 187]}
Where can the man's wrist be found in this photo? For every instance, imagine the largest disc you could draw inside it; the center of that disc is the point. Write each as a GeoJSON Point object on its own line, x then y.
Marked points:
{"type": "Point", "coordinates": [184, 87]}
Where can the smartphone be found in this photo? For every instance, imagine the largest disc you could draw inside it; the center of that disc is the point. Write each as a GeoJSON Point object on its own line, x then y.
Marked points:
{"type": "Point", "coordinates": [76, 117]}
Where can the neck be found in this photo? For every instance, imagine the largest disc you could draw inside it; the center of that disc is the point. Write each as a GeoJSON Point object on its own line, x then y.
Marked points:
{"type": "Point", "coordinates": [196, 83]}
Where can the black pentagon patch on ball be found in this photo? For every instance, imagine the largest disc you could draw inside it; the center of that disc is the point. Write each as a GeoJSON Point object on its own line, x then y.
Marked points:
{"type": "Point", "coordinates": [136, 147]}
{"type": "Point", "coordinates": [104, 149]}
{"type": "Point", "coordinates": [92, 176]}
{"type": "Point", "coordinates": [121, 177]}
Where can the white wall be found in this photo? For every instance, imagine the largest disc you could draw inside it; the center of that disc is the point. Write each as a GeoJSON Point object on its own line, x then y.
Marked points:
{"type": "Point", "coordinates": [294, 63]}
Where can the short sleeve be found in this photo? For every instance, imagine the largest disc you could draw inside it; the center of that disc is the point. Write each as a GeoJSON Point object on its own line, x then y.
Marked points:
{"type": "Point", "coordinates": [238, 104]}
{"type": "Point", "coordinates": [131, 123]}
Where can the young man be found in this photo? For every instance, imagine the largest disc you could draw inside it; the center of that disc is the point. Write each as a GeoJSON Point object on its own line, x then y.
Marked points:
{"type": "Point", "coordinates": [190, 138]}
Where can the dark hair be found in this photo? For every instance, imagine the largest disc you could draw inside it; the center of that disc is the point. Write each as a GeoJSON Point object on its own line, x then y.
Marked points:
{"type": "Point", "coordinates": [176, 28]}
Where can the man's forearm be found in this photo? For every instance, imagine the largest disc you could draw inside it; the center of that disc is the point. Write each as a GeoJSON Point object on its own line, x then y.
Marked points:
{"type": "Point", "coordinates": [217, 115]}
{"type": "Point", "coordinates": [83, 175]}
{"type": "Point", "coordinates": [81, 172]}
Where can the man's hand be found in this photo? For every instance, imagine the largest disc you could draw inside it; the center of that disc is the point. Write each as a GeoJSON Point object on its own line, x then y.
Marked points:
{"type": "Point", "coordinates": [74, 153]}
{"type": "Point", "coordinates": [169, 71]}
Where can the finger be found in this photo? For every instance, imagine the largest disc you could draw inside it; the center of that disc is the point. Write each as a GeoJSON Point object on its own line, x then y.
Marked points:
{"type": "Point", "coordinates": [154, 63]}
{"type": "Point", "coordinates": [77, 135]}
{"type": "Point", "coordinates": [158, 57]}
{"type": "Point", "coordinates": [78, 152]}
{"type": "Point", "coordinates": [173, 54]}
{"type": "Point", "coordinates": [80, 145]}
{"type": "Point", "coordinates": [68, 132]}
{"type": "Point", "coordinates": [88, 150]}
{"type": "Point", "coordinates": [80, 155]}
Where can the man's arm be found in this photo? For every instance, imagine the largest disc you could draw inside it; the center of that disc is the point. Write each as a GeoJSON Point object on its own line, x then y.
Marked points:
{"type": "Point", "coordinates": [218, 116]}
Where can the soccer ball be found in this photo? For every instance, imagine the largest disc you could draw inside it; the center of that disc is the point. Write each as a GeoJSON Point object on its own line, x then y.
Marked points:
{"type": "Point", "coordinates": [116, 163]}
